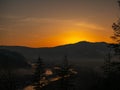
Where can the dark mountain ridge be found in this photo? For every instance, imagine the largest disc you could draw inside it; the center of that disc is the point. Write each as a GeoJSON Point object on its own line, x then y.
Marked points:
{"type": "Point", "coordinates": [78, 51]}
{"type": "Point", "coordinates": [12, 60]}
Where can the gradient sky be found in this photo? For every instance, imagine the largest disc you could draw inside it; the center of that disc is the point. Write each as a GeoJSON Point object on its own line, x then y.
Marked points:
{"type": "Point", "coordinates": [47, 23]}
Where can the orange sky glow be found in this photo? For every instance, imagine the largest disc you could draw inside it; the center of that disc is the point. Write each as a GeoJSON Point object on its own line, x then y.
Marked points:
{"type": "Point", "coordinates": [53, 23]}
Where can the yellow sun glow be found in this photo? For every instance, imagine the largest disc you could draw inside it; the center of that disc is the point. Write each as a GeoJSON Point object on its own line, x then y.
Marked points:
{"type": "Point", "coordinates": [70, 37]}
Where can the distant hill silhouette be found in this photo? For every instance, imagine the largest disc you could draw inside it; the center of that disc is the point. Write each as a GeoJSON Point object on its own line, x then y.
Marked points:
{"type": "Point", "coordinates": [78, 51]}
{"type": "Point", "coordinates": [12, 60]}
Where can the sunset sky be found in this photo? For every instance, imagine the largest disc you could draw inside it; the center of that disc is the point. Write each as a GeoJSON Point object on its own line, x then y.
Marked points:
{"type": "Point", "coordinates": [48, 23]}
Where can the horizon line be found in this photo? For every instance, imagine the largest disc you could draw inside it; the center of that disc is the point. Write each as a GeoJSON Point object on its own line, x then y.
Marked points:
{"type": "Point", "coordinates": [56, 45]}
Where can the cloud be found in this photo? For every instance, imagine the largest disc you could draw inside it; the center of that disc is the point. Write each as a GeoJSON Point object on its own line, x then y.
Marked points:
{"type": "Point", "coordinates": [63, 21]}
{"type": "Point", "coordinates": [13, 20]}
{"type": "Point", "coordinates": [89, 25]}
{"type": "Point", "coordinates": [9, 20]}
{"type": "Point", "coordinates": [44, 20]}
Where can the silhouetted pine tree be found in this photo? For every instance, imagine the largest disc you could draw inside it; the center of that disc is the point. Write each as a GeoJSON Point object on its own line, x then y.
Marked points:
{"type": "Point", "coordinates": [38, 75]}
{"type": "Point", "coordinates": [112, 80]}
{"type": "Point", "coordinates": [65, 74]}
{"type": "Point", "coordinates": [116, 35]}
{"type": "Point", "coordinates": [114, 48]}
